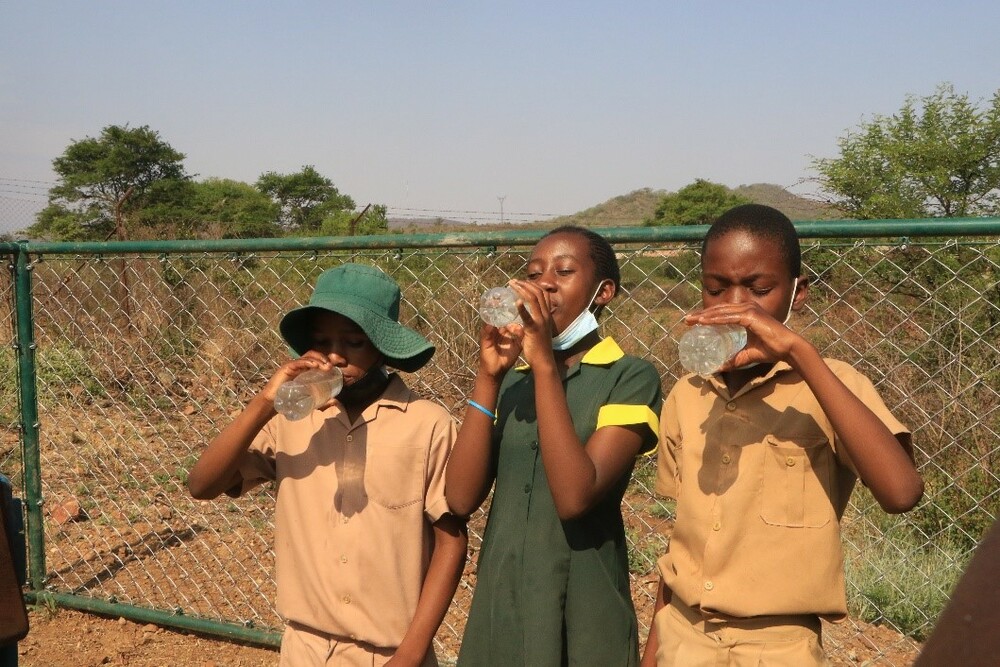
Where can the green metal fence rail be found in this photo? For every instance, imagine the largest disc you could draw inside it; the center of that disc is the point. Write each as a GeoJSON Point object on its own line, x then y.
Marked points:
{"type": "Point", "coordinates": [130, 356]}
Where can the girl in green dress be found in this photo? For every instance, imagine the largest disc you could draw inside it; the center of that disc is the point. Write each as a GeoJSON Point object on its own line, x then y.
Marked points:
{"type": "Point", "coordinates": [556, 439]}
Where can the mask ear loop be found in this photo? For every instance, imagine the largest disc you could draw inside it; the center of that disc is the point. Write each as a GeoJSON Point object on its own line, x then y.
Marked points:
{"type": "Point", "coordinates": [795, 287]}
{"type": "Point", "coordinates": [596, 292]}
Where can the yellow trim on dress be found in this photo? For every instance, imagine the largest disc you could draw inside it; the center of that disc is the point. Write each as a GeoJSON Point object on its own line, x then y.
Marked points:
{"type": "Point", "coordinates": [603, 353]}
{"type": "Point", "coordinates": [619, 414]}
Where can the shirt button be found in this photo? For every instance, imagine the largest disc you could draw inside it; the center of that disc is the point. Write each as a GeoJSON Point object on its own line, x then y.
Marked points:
{"type": "Point", "coordinates": [350, 438]}
{"type": "Point", "coordinates": [343, 559]}
{"type": "Point", "coordinates": [347, 599]}
{"type": "Point", "coordinates": [534, 445]}
{"type": "Point", "coordinates": [717, 525]}
{"type": "Point", "coordinates": [726, 458]}
{"type": "Point", "coordinates": [527, 488]}
{"type": "Point", "coordinates": [343, 519]}
{"type": "Point", "coordinates": [730, 406]}
{"type": "Point", "coordinates": [709, 585]}
{"type": "Point", "coordinates": [790, 461]}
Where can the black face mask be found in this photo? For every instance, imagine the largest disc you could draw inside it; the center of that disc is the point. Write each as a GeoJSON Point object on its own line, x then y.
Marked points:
{"type": "Point", "coordinates": [366, 387]}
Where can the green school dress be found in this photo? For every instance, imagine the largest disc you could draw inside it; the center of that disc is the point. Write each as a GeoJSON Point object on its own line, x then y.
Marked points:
{"type": "Point", "coordinates": [552, 592]}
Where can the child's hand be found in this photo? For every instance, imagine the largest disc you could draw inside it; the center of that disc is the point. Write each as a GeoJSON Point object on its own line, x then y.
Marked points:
{"type": "Point", "coordinates": [499, 348]}
{"type": "Point", "coordinates": [293, 368]}
{"type": "Point", "coordinates": [535, 309]}
{"type": "Point", "coordinates": [768, 340]}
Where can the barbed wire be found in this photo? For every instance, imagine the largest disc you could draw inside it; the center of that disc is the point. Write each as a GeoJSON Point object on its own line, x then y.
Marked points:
{"type": "Point", "coordinates": [25, 192]}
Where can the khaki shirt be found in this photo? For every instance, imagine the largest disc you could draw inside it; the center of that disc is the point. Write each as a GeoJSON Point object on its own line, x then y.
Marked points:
{"type": "Point", "coordinates": [355, 504]}
{"type": "Point", "coordinates": [761, 483]}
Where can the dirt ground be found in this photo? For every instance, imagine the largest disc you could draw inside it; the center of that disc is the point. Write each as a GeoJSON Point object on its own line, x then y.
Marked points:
{"type": "Point", "coordinates": [68, 638]}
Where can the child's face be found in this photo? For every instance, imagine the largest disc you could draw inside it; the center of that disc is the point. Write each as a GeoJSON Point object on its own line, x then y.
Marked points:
{"type": "Point", "coordinates": [344, 344]}
{"type": "Point", "coordinates": [740, 268]}
{"type": "Point", "coordinates": [561, 265]}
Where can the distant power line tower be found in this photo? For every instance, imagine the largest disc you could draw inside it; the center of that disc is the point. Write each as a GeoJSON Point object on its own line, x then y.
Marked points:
{"type": "Point", "coordinates": [500, 198]}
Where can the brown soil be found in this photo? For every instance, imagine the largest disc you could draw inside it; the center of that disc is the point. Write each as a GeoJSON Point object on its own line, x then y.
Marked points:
{"type": "Point", "coordinates": [68, 638]}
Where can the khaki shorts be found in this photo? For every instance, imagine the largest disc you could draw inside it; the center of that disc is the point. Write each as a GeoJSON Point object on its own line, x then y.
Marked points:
{"type": "Point", "coordinates": [686, 639]}
{"type": "Point", "coordinates": [304, 647]}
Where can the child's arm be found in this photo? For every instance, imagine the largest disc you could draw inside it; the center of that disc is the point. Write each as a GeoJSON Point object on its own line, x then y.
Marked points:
{"type": "Point", "coordinates": [217, 470]}
{"type": "Point", "coordinates": [443, 575]}
{"type": "Point", "coordinates": [653, 640]}
{"type": "Point", "coordinates": [882, 461]}
{"type": "Point", "coordinates": [470, 470]}
{"type": "Point", "coordinates": [579, 474]}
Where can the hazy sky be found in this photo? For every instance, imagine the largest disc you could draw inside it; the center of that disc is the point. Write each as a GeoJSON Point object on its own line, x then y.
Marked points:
{"type": "Point", "coordinates": [432, 107]}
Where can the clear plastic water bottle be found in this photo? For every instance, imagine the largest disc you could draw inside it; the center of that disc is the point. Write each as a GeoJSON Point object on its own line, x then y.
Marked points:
{"type": "Point", "coordinates": [497, 306]}
{"type": "Point", "coordinates": [298, 397]}
{"type": "Point", "coordinates": [703, 349]}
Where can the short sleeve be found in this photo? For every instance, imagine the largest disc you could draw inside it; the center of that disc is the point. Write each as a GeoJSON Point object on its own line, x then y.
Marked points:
{"type": "Point", "coordinates": [442, 440]}
{"type": "Point", "coordinates": [258, 465]}
{"type": "Point", "coordinates": [635, 400]}
{"type": "Point", "coordinates": [667, 469]}
{"type": "Point", "coordinates": [862, 387]}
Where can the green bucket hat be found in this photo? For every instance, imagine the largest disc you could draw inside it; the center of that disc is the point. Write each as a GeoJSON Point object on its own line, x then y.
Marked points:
{"type": "Point", "coordinates": [370, 299]}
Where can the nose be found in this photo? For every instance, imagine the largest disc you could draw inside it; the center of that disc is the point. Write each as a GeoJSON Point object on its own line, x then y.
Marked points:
{"type": "Point", "coordinates": [337, 358]}
{"type": "Point", "coordinates": [547, 281]}
{"type": "Point", "coordinates": [737, 295]}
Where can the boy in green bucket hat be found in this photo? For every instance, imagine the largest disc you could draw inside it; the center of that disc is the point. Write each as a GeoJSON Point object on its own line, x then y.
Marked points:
{"type": "Point", "coordinates": [367, 554]}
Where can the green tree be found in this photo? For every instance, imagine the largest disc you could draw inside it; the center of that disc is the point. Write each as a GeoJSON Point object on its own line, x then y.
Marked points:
{"type": "Point", "coordinates": [939, 156]}
{"type": "Point", "coordinates": [106, 182]}
{"type": "Point", "coordinates": [370, 221]}
{"type": "Point", "coordinates": [305, 197]}
{"type": "Point", "coordinates": [232, 209]}
{"type": "Point", "coordinates": [699, 203]}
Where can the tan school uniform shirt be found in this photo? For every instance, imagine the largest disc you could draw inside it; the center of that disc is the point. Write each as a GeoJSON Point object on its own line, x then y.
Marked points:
{"type": "Point", "coordinates": [354, 514]}
{"type": "Point", "coordinates": [761, 483]}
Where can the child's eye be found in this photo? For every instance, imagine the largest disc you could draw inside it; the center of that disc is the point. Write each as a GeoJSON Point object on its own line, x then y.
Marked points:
{"type": "Point", "coordinates": [713, 292]}
{"type": "Point", "coordinates": [533, 275]}
{"type": "Point", "coordinates": [564, 272]}
{"type": "Point", "coordinates": [759, 291]}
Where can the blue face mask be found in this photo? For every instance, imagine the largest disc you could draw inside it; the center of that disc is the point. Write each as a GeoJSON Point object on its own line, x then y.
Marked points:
{"type": "Point", "coordinates": [584, 323]}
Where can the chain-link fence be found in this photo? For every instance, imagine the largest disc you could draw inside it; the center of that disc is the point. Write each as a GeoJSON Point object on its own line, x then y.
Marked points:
{"type": "Point", "coordinates": [144, 352]}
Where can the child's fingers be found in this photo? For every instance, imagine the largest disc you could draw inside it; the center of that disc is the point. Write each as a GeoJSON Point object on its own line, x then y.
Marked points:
{"type": "Point", "coordinates": [534, 306]}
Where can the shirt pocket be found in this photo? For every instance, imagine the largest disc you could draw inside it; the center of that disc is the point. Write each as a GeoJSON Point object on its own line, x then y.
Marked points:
{"type": "Point", "coordinates": [797, 482]}
{"type": "Point", "coordinates": [394, 476]}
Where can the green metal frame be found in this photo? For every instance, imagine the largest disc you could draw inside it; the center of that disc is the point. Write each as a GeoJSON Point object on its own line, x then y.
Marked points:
{"type": "Point", "coordinates": [27, 388]}
{"type": "Point", "coordinates": [22, 251]}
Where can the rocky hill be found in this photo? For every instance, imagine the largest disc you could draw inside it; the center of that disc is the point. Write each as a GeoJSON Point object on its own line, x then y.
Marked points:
{"type": "Point", "coordinates": [630, 210]}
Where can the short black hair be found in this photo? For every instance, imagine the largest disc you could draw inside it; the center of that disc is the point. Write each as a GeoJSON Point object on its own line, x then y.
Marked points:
{"type": "Point", "coordinates": [762, 222]}
{"type": "Point", "coordinates": [603, 255]}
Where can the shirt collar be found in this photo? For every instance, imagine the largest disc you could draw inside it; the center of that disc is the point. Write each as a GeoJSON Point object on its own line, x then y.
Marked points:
{"type": "Point", "coordinates": [396, 395]}
{"type": "Point", "coordinates": [719, 384]}
{"type": "Point", "coordinates": [605, 353]}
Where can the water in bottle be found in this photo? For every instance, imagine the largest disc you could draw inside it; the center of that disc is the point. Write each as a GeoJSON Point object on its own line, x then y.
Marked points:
{"type": "Point", "coordinates": [497, 306]}
{"type": "Point", "coordinates": [703, 349]}
{"type": "Point", "coordinates": [307, 391]}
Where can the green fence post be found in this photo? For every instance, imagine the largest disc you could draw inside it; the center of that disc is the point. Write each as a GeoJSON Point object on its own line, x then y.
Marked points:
{"type": "Point", "coordinates": [27, 386]}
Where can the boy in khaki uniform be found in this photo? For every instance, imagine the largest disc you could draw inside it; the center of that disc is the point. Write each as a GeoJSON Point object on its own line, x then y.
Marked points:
{"type": "Point", "coordinates": [367, 554]}
{"type": "Point", "coordinates": [762, 457]}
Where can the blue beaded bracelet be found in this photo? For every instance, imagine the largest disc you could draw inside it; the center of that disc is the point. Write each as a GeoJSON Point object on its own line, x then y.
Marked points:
{"type": "Point", "coordinates": [483, 409]}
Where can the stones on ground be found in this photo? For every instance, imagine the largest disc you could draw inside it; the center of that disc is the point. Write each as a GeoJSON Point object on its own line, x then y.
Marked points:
{"type": "Point", "coordinates": [66, 511]}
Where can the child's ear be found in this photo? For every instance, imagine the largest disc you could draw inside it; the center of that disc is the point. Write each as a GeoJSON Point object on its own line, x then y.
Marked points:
{"type": "Point", "coordinates": [801, 292]}
{"type": "Point", "coordinates": [605, 293]}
